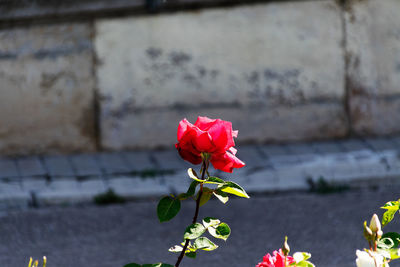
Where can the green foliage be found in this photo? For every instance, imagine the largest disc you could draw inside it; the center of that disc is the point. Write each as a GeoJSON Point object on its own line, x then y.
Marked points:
{"type": "Point", "coordinates": [210, 221]}
{"type": "Point", "coordinates": [301, 260]}
{"type": "Point", "coordinates": [222, 231]}
{"type": "Point", "coordinates": [205, 196]}
{"type": "Point", "coordinates": [107, 198]}
{"type": "Point", "coordinates": [168, 208]}
{"type": "Point", "coordinates": [190, 192]}
{"type": "Point", "coordinates": [223, 188]}
{"type": "Point", "coordinates": [214, 180]}
{"type": "Point", "coordinates": [391, 208]}
{"type": "Point", "coordinates": [194, 231]}
{"type": "Point", "coordinates": [221, 196]}
{"type": "Point", "coordinates": [321, 186]}
{"type": "Point", "coordinates": [36, 262]}
{"type": "Point", "coordinates": [204, 243]}
{"type": "Point", "coordinates": [389, 244]}
{"type": "Point", "coordinates": [234, 189]}
{"type": "Point", "coordinates": [215, 228]}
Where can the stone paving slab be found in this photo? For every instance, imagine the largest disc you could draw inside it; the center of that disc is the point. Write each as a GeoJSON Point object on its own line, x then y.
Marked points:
{"type": "Point", "coordinates": [8, 168]}
{"type": "Point", "coordinates": [31, 166]}
{"type": "Point", "coordinates": [138, 160]}
{"type": "Point", "coordinates": [113, 163]}
{"type": "Point", "coordinates": [51, 180]}
{"type": "Point", "coordinates": [58, 166]}
{"type": "Point", "coordinates": [325, 148]}
{"type": "Point", "coordinates": [86, 165]}
{"type": "Point", "coordinates": [169, 160]}
{"type": "Point", "coordinates": [133, 187]}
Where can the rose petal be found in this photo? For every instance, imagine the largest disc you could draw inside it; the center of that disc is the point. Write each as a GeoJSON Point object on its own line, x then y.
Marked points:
{"type": "Point", "coordinates": [226, 162]}
{"type": "Point", "coordinates": [183, 127]}
{"type": "Point", "coordinates": [221, 133]}
{"type": "Point", "coordinates": [188, 155]}
{"type": "Point", "coordinates": [235, 133]}
{"type": "Point", "coordinates": [232, 150]}
{"type": "Point", "coordinates": [203, 142]}
{"type": "Point", "coordinates": [204, 123]}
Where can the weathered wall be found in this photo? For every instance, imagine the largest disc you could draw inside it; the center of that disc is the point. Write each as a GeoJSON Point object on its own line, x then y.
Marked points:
{"type": "Point", "coordinates": [279, 71]}
{"type": "Point", "coordinates": [46, 89]}
{"type": "Point", "coordinates": [373, 50]}
{"type": "Point", "coordinates": [264, 67]}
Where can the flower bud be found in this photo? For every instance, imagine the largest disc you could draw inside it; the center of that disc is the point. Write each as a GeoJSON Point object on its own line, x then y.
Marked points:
{"type": "Point", "coordinates": [285, 247]}
{"type": "Point", "coordinates": [375, 224]}
{"type": "Point", "coordinates": [44, 261]}
{"type": "Point", "coordinates": [368, 232]}
{"type": "Point", "coordinates": [379, 234]}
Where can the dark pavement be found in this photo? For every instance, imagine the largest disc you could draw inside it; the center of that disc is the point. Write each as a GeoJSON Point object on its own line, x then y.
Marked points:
{"type": "Point", "coordinates": [328, 226]}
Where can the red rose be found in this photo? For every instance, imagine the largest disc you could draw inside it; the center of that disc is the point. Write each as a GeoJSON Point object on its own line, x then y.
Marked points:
{"type": "Point", "coordinates": [214, 137]}
{"type": "Point", "coordinates": [278, 260]}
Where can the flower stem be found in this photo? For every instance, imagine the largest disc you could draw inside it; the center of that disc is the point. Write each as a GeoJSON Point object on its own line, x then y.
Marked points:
{"type": "Point", "coordinates": [204, 169]}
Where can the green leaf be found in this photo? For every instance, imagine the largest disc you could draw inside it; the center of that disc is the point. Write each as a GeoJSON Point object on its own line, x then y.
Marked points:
{"type": "Point", "coordinates": [391, 204]}
{"type": "Point", "coordinates": [175, 248]}
{"type": "Point", "coordinates": [385, 243]}
{"type": "Point", "coordinates": [192, 188]}
{"type": "Point", "coordinates": [214, 180]}
{"type": "Point", "coordinates": [194, 231]}
{"type": "Point", "coordinates": [168, 208]}
{"type": "Point", "coordinates": [222, 196]}
{"type": "Point", "coordinates": [301, 256]}
{"type": "Point", "coordinates": [392, 207]}
{"type": "Point", "coordinates": [388, 216]}
{"type": "Point", "coordinates": [192, 174]}
{"type": "Point", "coordinates": [205, 196]}
{"type": "Point", "coordinates": [222, 231]}
{"type": "Point", "coordinates": [205, 244]}
{"type": "Point", "coordinates": [133, 265]}
{"type": "Point", "coordinates": [233, 188]}
{"type": "Point", "coordinates": [210, 221]}
{"type": "Point", "coordinates": [191, 254]}
{"type": "Point", "coordinates": [395, 237]}
{"type": "Point", "coordinates": [394, 253]}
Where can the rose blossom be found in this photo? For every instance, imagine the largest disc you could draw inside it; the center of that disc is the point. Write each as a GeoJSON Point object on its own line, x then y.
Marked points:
{"type": "Point", "coordinates": [211, 136]}
{"type": "Point", "coordinates": [278, 260]}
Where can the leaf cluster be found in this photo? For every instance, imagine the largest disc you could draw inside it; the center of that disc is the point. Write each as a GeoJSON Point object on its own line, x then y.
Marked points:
{"type": "Point", "coordinates": [215, 228]}
{"type": "Point", "coordinates": [169, 206]}
{"type": "Point", "coordinates": [389, 243]}
{"type": "Point", "coordinates": [301, 260]}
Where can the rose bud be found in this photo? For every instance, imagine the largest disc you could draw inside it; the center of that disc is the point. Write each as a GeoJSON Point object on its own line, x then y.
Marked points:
{"type": "Point", "coordinates": [285, 247]}
{"type": "Point", "coordinates": [375, 224]}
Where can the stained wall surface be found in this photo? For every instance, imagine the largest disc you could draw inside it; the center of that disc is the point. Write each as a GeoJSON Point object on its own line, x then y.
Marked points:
{"type": "Point", "coordinates": [280, 71]}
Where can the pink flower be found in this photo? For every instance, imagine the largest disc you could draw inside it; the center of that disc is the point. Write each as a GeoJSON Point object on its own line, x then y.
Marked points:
{"type": "Point", "coordinates": [214, 137]}
{"type": "Point", "coordinates": [277, 260]}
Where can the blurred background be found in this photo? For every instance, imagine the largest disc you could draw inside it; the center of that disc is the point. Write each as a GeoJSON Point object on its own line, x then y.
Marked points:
{"type": "Point", "coordinates": [93, 75]}
{"type": "Point", "coordinates": [91, 89]}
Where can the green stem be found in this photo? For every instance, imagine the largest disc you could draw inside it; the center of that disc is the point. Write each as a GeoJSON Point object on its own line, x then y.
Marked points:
{"type": "Point", "coordinates": [204, 167]}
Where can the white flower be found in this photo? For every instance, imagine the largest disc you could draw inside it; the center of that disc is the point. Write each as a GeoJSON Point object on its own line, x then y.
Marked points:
{"type": "Point", "coordinates": [370, 259]}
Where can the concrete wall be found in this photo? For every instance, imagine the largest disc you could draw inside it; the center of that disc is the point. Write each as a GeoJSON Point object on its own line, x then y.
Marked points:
{"type": "Point", "coordinates": [282, 71]}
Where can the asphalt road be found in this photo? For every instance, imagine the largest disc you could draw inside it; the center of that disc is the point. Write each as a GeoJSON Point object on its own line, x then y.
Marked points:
{"type": "Point", "coordinates": [328, 226]}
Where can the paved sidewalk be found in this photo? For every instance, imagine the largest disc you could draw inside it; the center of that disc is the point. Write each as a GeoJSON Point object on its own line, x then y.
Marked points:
{"type": "Point", "coordinates": [327, 226]}
{"type": "Point", "coordinates": [43, 180]}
